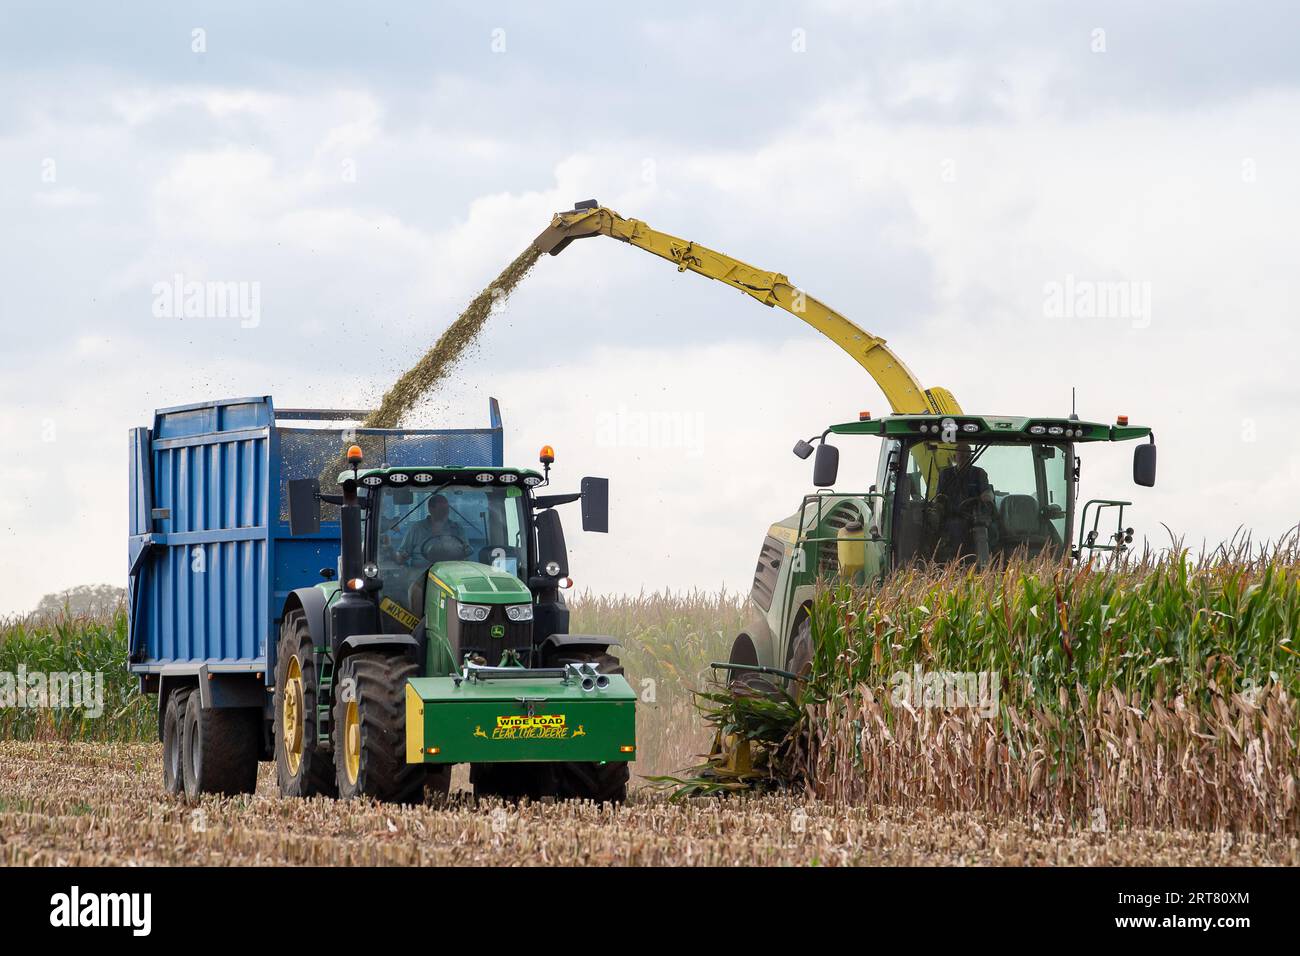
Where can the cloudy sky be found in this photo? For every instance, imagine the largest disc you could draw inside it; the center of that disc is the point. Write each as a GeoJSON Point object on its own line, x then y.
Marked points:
{"type": "Point", "coordinates": [939, 172]}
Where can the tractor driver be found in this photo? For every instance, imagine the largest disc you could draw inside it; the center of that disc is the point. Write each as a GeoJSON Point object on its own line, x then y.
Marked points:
{"type": "Point", "coordinates": [434, 538]}
{"type": "Point", "coordinates": [967, 502]}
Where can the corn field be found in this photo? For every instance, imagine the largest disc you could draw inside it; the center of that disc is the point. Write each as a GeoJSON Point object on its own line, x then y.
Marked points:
{"type": "Point", "coordinates": [1161, 694]}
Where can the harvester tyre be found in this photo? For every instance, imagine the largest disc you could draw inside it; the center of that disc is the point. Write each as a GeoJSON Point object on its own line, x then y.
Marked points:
{"type": "Point", "coordinates": [370, 730]}
{"type": "Point", "coordinates": [801, 649]}
{"type": "Point", "coordinates": [601, 782]}
{"type": "Point", "coordinates": [303, 767]}
{"type": "Point", "coordinates": [173, 733]}
{"type": "Point", "coordinates": [219, 749]}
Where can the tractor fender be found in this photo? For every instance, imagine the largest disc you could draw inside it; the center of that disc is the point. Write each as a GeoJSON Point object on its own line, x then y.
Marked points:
{"type": "Point", "coordinates": [403, 643]}
{"type": "Point", "coordinates": [594, 642]}
{"type": "Point", "coordinates": [312, 602]}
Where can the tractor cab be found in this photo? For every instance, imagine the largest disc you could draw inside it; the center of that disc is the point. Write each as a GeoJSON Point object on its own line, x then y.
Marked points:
{"type": "Point", "coordinates": [469, 561]}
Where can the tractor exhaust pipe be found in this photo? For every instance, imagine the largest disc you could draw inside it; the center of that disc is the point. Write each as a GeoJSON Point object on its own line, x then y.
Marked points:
{"type": "Point", "coordinates": [589, 678]}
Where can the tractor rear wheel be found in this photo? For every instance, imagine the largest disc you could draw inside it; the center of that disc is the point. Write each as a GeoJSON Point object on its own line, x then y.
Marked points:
{"type": "Point", "coordinates": [370, 730]}
{"type": "Point", "coordinates": [219, 749]}
{"type": "Point", "coordinates": [172, 736]}
{"type": "Point", "coordinates": [303, 767]}
{"type": "Point", "coordinates": [601, 782]}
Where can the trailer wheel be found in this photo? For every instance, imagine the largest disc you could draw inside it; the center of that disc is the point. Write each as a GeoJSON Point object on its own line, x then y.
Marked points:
{"type": "Point", "coordinates": [370, 730]}
{"type": "Point", "coordinates": [219, 749]}
{"type": "Point", "coordinates": [173, 736]}
{"type": "Point", "coordinates": [303, 768]}
{"type": "Point", "coordinates": [601, 782]}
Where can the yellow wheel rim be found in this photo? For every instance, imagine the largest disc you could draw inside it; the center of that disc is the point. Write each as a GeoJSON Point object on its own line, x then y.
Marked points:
{"type": "Point", "coordinates": [352, 741]}
{"type": "Point", "coordinates": [292, 717]}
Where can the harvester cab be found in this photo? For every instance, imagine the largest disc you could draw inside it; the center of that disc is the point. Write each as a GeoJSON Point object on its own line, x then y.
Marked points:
{"type": "Point", "coordinates": [968, 488]}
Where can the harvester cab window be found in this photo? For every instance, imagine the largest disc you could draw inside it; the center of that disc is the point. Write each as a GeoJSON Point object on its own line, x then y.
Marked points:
{"type": "Point", "coordinates": [951, 496]}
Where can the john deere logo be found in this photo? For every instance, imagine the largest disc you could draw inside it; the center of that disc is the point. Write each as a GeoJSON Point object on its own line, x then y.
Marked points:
{"type": "Point", "coordinates": [498, 630]}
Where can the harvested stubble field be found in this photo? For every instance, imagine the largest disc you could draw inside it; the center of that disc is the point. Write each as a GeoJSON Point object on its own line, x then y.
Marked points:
{"type": "Point", "coordinates": [97, 804]}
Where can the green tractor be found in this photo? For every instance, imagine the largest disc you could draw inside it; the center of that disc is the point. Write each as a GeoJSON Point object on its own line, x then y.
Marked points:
{"type": "Point", "coordinates": [446, 640]}
{"type": "Point", "coordinates": [968, 488]}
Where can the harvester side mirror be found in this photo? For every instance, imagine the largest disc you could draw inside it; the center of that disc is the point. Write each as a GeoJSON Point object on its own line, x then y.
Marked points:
{"type": "Point", "coordinates": [826, 466]}
{"type": "Point", "coordinates": [595, 504]}
{"type": "Point", "coordinates": [304, 506]}
{"type": "Point", "coordinates": [550, 544]}
{"type": "Point", "coordinates": [1144, 465]}
{"type": "Point", "coordinates": [802, 449]}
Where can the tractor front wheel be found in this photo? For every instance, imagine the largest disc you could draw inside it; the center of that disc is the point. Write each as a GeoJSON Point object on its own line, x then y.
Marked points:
{"type": "Point", "coordinates": [370, 730]}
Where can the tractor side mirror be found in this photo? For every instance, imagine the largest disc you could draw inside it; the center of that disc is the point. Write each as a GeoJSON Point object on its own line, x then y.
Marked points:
{"type": "Point", "coordinates": [550, 544]}
{"type": "Point", "coordinates": [304, 506]}
{"type": "Point", "coordinates": [826, 465]}
{"type": "Point", "coordinates": [1144, 465]}
{"type": "Point", "coordinates": [595, 504]}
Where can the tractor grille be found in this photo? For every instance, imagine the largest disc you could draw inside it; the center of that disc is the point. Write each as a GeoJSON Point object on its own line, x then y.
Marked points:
{"type": "Point", "coordinates": [476, 636]}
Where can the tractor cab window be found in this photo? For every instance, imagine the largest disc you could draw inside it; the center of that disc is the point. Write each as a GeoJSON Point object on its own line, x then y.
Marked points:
{"type": "Point", "coordinates": [955, 500]}
{"type": "Point", "coordinates": [419, 527]}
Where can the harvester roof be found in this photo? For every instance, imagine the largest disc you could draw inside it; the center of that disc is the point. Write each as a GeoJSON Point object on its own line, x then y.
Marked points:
{"type": "Point", "coordinates": [985, 428]}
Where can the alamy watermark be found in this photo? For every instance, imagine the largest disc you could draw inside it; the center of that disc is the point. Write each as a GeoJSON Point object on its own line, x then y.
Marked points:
{"type": "Point", "coordinates": [57, 690]}
{"type": "Point", "coordinates": [182, 299]}
{"type": "Point", "coordinates": [657, 430]}
{"type": "Point", "coordinates": [979, 691]}
{"type": "Point", "coordinates": [1076, 298]}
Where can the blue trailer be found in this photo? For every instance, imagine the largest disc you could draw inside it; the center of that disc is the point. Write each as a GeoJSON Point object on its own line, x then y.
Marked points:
{"type": "Point", "coordinates": [224, 570]}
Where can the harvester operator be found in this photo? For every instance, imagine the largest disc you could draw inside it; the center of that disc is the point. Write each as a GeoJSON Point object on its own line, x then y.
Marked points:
{"type": "Point", "coordinates": [966, 500]}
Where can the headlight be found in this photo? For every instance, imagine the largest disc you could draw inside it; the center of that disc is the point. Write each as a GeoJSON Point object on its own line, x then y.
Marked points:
{"type": "Point", "coordinates": [473, 612]}
{"type": "Point", "coordinates": [484, 477]}
{"type": "Point", "coordinates": [1055, 430]}
{"type": "Point", "coordinates": [399, 478]}
{"type": "Point", "coordinates": [508, 479]}
{"type": "Point", "coordinates": [371, 570]}
{"type": "Point", "coordinates": [532, 480]}
{"type": "Point", "coordinates": [372, 481]}
{"type": "Point", "coordinates": [1037, 430]}
{"type": "Point", "coordinates": [552, 568]}
{"type": "Point", "coordinates": [519, 612]}
{"type": "Point", "coordinates": [970, 427]}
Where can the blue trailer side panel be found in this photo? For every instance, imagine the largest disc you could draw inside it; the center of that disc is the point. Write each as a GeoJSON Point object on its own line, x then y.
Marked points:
{"type": "Point", "coordinates": [211, 559]}
{"type": "Point", "coordinates": [205, 592]}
